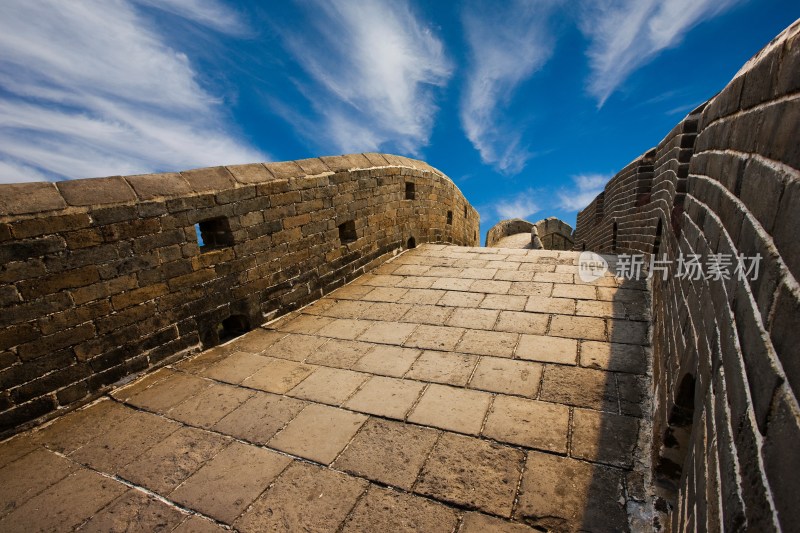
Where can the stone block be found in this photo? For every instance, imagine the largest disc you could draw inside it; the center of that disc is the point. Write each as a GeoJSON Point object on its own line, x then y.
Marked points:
{"type": "Point", "coordinates": [451, 408]}
{"type": "Point", "coordinates": [209, 179]}
{"type": "Point", "coordinates": [528, 423]}
{"type": "Point", "coordinates": [157, 186]}
{"type": "Point", "coordinates": [96, 191]}
{"type": "Point", "coordinates": [24, 198]}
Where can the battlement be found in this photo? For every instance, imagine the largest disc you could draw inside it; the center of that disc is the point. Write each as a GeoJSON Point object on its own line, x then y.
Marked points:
{"type": "Point", "coordinates": [105, 278]}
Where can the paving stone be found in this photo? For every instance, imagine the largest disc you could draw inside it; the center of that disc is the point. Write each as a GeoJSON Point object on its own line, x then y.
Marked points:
{"type": "Point", "coordinates": [496, 343]}
{"type": "Point", "coordinates": [578, 327]}
{"type": "Point", "coordinates": [386, 311]}
{"type": "Point", "coordinates": [259, 418]}
{"type": "Point", "coordinates": [507, 376]}
{"type": "Point", "coordinates": [129, 439]}
{"type": "Point", "coordinates": [435, 337]}
{"type": "Point", "coordinates": [384, 294]}
{"type": "Point", "coordinates": [387, 510]}
{"type": "Point", "coordinates": [521, 322]}
{"type": "Point", "coordinates": [227, 484]}
{"type": "Point", "coordinates": [387, 397]}
{"type": "Point", "coordinates": [473, 318]}
{"type": "Point", "coordinates": [307, 324]}
{"type": "Point", "coordinates": [256, 341]}
{"type": "Point", "coordinates": [71, 431]}
{"type": "Point", "coordinates": [452, 284]}
{"type": "Point", "coordinates": [347, 309]}
{"type": "Point", "coordinates": [613, 356]}
{"type": "Point", "coordinates": [580, 292]}
{"type": "Point", "coordinates": [278, 376]}
{"type": "Point", "coordinates": [29, 475]}
{"type": "Point", "coordinates": [633, 391]}
{"type": "Point", "coordinates": [528, 423]}
{"type": "Point", "coordinates": [427, 314]}
{"type": "Point", "coordinates": [19, 446]}
{"type": "Point", "coordinates": [453, 409]}
{"type": "Point", "coordinates": [600, 309]}
{"type": "Point", "coordinates": [196, 524]}
{"type": "Point", "coordinates": [304, 498]}
{"type": "Point", "coordinates": [548, 349]}
{"type": "Point", "coordinates": [387, 360]}
{"type": "Point", "coordinates": [628, 331]}
{"type": "Point", "coordinates": [296, 347]}
{"type": "Point", "coordinates": [491, 286]}
{"type": "Point", "coordinates": [236, 367]}
{"type": "Point", "coordinates": [504, 302]}
{"type": "Point", "coordinates": [355, 292]}
{"type": "Point", "coordinates": [461, 299]}
{"type": "Point", "coordinates": [422, 297]}
{"type": "Point", "coordinates": [604, 437]}
{"type": "Point", "coordinates": [620, 295]}
{"type": "Point", "coordinates": [581, 387]}
{"type": "Point", "coordinates": [329, 385]}
{"type": "Point", "coordinates": [472, 473]}
{"type": "Point", "coordinates": [168, 393]}
{"type": "Point", "coordinates": [530, 288]}
{"type": "Point", "coordinates": [419, 282]}
{"type": "Point", "coordinates": [318, 433]}
{"type": "Point", "coordinates": [562, 306]}
{"type": "Point", "coordinates": [481, 523]}
{"type": "Point", "coordinates": [135, 511]}
{"type": "Point", "coordinates": [478, 273]}
{"type": "Point", "coordinates": [344, 328]}
{"type": "Point", "coordinates": [170, 462]}
{"type": "Point", "coordinates": [563, 494]}
{"type": "Point", "coordinates": [387, 333]}
{"type": "Point", "coordinates": [443, 367]}
{"type": "Point", "coordinates": [207, 407]}
{"type": "Point", "coordinates": [65, 505]}
{"type": "Point", "coordinates": [516, 275]}
{"type": "Point", "coordinates": [339, 353]}
{"type": "Point", "coordinates": [388, 452]}
{"type": "Point", "coordinates": [124, 393]}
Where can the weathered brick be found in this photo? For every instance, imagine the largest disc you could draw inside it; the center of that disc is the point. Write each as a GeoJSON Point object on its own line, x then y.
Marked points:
{"type": "Point", "coordinates": [50, 343]}
{"type": "Point", "coordinates": [167, 185]}
{"type": "Point", "coordinates": [96, 191]}
{"type": "Point", "coordinates": [209, 179]}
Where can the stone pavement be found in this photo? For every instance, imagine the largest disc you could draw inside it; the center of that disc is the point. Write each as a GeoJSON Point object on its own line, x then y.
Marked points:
{"type": "Point", "coordinates": [452, 389]}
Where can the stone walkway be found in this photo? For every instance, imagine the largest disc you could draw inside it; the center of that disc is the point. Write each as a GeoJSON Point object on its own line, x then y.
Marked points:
{"type": "Point", "coordinates": [453, 389]}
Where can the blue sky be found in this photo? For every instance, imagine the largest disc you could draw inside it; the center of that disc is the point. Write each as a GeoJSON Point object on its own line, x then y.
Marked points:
{"type": "Point", "coordinates": [529, 106]}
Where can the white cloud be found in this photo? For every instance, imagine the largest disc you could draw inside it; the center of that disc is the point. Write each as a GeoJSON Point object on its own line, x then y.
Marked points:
{"type": "Point", "coordinates": [586, 188]}
{"type": "Point", "coordinates": [507, 44]}
{"type": "Point", "coordinates": [91, 89]}
{"type": "Point", "coordinates": [374, 67]}
{"type": "Point", "coordinates": [626, 34]}
{"type": "Point", "coordinates": [520, 206]}
{"type": "Point", "coordinates": [208, 13]}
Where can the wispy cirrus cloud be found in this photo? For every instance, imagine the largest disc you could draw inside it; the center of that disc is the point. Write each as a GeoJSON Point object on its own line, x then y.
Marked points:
{"type": "Point", "coordinates": [522, 205]}
{"type": "Point", "coordinates": [626, 34]}
{"type": "Point", "coordinates": [90, 88]}
{"type": "Point", "coordinates": [507, 45]}
{"type": "Point", "coordinates": [372, 82]}
{"type": "Point", "coordinates": [585, 188]}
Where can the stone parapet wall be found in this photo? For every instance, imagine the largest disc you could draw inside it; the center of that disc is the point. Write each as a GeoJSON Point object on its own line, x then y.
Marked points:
{"type": "Point", "coordinates": [504, 228]}
{"type": "Point", "coordinates": [555, 234]}
{"type": "Point", "coordinates": [726, 180]}
{"type": "Point", "coordinates": [104, 278]}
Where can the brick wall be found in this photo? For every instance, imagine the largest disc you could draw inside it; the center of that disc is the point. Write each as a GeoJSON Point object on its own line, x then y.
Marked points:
{"type": "Point", "coordinates": [555, 234]}
{"type": "Point", "coordinates": [725, 180]}
{"type": "Point", "coordinates": [104, 278]}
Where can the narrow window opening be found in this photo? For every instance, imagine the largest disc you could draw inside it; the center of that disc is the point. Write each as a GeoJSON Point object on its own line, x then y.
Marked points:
{"type": "Point", "coordinates": [410, 190]}
{"type": "Point", "coordinates": [614, 237]}
{"type": "Point", "coordinates": [412, 242]}
{"type": "Point", "coordinates": [657, 240]}
{"type": "Point", "coordinates": [213, 234]}
{"type": "Point", "coordinates": [449, 218]}
{"type": "Point", "coordinates": [232, 327]}
{"type": "Point", "coordinates": [347, 232]}
{"type": "Point", "coordinates": [465, 211]}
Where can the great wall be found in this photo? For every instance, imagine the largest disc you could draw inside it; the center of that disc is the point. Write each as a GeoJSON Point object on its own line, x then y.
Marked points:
{"type": "Point", "coordinates": [206, 350]}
